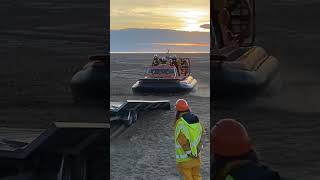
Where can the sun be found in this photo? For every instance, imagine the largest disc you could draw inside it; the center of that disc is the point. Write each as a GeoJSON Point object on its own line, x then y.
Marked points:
{"type": "Point", "coordinates": [192, 19]}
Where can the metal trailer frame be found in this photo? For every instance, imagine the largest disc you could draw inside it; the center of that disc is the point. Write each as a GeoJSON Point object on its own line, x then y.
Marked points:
{"type": "Point", "coordinates": [63, 151]}
{"type": "Point", "coordinates": [128, 111]}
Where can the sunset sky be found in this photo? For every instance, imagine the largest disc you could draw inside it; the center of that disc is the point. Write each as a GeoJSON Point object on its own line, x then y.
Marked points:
{"type": "Point", "coordinates": [158, 25]}
{"type": "Point", "coordinates": [160, 14]}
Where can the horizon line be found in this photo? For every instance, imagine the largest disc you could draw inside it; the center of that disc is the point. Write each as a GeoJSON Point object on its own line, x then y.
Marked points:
{"type": "Point", "coordinates": [159, 29]}
{"type": "Point", "coordinates": [131, 52]}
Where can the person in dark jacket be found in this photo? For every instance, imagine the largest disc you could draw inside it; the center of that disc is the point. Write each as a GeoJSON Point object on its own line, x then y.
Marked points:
{"type": "Point", "coordinates": [233, 155]}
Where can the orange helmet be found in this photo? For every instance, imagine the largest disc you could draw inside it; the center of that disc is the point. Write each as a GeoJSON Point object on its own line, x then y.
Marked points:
{"type": "Point", "coordinates": [230, 138]}
{"type": "Point", "coordinates": [182, 105]}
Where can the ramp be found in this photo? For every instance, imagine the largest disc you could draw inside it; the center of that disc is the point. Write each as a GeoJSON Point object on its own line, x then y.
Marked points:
{"type": "Point", "coordinates": [59, 138]}
{"type": "Point", "coordinates": [63, 151]}
{"type": "Point", "coordinates": [139, 105]}
{"type": "Point", "coordinates": [128, 111]}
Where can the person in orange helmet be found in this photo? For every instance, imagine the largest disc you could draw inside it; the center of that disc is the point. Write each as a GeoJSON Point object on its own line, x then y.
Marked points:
{"type": "Point", "coordinates": [234, 156]}
{"type": "Point", "coordinates": [188, 141]}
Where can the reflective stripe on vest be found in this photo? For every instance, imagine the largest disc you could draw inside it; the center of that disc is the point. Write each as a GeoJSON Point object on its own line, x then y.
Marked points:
{"type": "Point", "coordinates": [193, 133]}
{"type": "Point", "coordinates": [229, 177]}
{"type": "Point", "coordinates": [224, 173]}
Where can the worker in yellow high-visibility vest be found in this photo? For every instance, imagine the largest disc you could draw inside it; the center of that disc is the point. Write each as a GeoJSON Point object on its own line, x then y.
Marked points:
{"type": "Point", "coordinates": [188, 141]}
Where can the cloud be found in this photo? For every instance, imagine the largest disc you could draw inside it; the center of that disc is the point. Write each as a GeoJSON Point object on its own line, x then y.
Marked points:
{"type": "Point", "coordinates": [174, 14]}
{"type": "Point", "coordinates": [182, 44]}
{"type": "Point", "coordinates": [205, 26]}
{"type": "Point", "coordinates": [158, 40]}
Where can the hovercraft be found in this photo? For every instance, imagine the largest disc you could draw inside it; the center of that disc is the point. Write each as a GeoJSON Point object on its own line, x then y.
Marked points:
{"type": "Point", "coordinates": [91, 82]}
{"type": "Point", "coordinates": [238, 65]}
{"type": "Point", "coordinates": [167, 76]}
{"type": "Point", "coordinates": [251, 70]}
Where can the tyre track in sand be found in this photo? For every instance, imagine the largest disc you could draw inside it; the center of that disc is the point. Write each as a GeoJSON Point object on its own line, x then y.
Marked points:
{"type": "Point", "coordinates": [116, 129]}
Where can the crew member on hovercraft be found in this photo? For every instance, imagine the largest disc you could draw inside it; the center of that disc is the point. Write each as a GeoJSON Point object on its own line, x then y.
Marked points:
{"type": "Point", "coordinates": [163, 61]}
{"type": "Point", "coordinates": [175, 63]}
{"type": "Point", "coordinates": [184, 67]}
{"type": "Point", "coordinates": [155, 61]}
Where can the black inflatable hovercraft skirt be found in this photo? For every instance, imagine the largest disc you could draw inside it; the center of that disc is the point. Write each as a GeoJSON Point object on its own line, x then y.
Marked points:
{"type": "Point", "coordinates": [235, 80]}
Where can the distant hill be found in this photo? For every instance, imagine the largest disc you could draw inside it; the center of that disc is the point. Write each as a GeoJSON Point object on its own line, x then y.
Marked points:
{"type": "Point", "coordinates": [158, 40]}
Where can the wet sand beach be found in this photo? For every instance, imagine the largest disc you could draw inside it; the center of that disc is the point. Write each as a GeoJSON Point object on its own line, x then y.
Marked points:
{"type": "Point", "coordinates": [42, 44]}
{"type": "Point", "coordinates": [146, 149]}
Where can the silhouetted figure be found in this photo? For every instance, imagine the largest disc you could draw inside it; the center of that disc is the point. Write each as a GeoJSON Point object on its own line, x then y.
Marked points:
{"type": "Point", "coordinates": [233, 155]}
